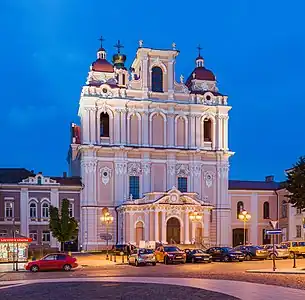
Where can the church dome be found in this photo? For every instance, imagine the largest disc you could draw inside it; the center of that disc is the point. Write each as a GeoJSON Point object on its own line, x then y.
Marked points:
{"type": "Point", "coordinates": [201, 73]}
{"type": "Point", "coordinates": [102, 65]}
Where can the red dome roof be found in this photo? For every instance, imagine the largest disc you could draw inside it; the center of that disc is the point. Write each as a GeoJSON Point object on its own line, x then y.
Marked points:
{"type": "Point", "coordinates": [201, 73]}
{"type": "Point", "coordinates": [102, 65]}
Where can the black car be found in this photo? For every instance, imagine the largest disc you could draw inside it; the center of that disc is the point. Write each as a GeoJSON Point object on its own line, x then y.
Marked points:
{"type": "Point", "coordinates": [253, 252]}
{"type": "Point", "coordinates": [125, 248]}
{"type": "Point", "coordinates": [197, 255]}
{"type": "Point", "coordinates": [225, 254]}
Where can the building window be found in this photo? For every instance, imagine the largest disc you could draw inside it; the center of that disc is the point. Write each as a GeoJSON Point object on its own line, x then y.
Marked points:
{"type": "Point", "coordinates": [266, 210]}
{"type": "Point", "coordinates": [104, 125]}
{"type": "Point", "coordinates": [71, 214]}
{"type": "Point", "coordinates": [284, 209]}
{"type": "Point", "coordinates": [207, 130]}
{"type": "Point", "coordinates": [239, 208]}
{"type": "Point", "coordinates": [123, 79]}
{"type": "Point", "coordinates": [46, 237]}
{"type": "Point", "coordinates": [298, 231]}
{"type": "Point", "coordinates": [8, 209]}
{"type": "Point", "coordinates": [157, 80]}
{"type": "Point", "coordinates": [3, 232]}
{"type": "Point", "coordinates": [39, 180]}
{"type": "Point", "coordinates": [182, 184]}
{"type": "Point", "coordinates": [134, 186]}
{"type": "Point", "coordinates": [33, 235]}
{"type": "Point", "coordinates": [45, 210]}
{"type": "Point", "coordinates": [33, 210]}
{"type": "Point", "coordinates": [299, 211]}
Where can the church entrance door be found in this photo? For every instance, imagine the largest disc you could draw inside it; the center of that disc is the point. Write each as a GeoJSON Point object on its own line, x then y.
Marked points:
{"type": "Point", "coordinates": [238, 236]}
{"type": "Point", "coordinates": [173, 231]}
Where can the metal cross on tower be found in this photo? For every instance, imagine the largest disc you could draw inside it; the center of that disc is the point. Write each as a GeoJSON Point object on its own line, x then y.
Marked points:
{"type": "Point", "coordinates": [101, 39]}
{"type": "Point", "coordinates": [118, 45]}
{"type": "Point", "coordinates": [199, 48]}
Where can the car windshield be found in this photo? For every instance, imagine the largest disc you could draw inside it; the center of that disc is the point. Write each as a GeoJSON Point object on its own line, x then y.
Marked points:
{"type": "Point", "coordinates": [171, 249]}
{"type": "Point", "coordinates": [302, 244]}
{"type": "Point", "coordinates": [258, 247]}
{"type": "Point", "coordinates": [281, 247]}
{"type": "Point", "coordinates": [226, 249]}
{"type": "Point", "coordinates": [145, 251]}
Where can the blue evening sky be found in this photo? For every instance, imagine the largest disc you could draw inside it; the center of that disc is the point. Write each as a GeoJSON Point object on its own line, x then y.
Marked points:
{"type": "Point", "coordinates": [255, 48]}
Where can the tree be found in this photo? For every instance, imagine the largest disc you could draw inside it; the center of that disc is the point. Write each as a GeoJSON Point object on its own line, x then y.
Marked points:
{"type": "Point", "coordinates": [63, 227]}
{"type": "Point", "coordinates": [295, 184]}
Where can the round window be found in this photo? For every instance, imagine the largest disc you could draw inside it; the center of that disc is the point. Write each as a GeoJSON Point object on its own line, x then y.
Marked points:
{"type": "Point", "coordinates": [208, 97]}
{"type": "Point", "coordinates": [105, 174]}
{"type": "Point", "coordinates": [104, 90]}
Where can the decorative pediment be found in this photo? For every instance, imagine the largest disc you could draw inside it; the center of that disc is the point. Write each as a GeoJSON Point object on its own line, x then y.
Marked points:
{"type": "Point", "coordinates": [39, 179]}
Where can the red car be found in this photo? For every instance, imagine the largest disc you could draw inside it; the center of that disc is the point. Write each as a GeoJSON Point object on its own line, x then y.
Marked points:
{"type": "Point", "coordinates": [56, 261]}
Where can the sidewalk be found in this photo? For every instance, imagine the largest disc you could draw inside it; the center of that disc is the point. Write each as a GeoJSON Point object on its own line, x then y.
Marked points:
{"type": "Point", "coordinates": [278, 271]}
{"type": "Point", "coordinates": [8, 267]}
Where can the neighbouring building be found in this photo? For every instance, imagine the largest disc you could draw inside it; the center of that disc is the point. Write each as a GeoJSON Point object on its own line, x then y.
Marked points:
{"type": "Point", "coordinates": [25, 198]}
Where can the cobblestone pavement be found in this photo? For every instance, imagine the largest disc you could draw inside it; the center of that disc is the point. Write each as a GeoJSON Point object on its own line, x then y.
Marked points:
{"type": "Point", "coordinates": [96, 290]}
{"type": "Point", "coordinates": [226, 271]}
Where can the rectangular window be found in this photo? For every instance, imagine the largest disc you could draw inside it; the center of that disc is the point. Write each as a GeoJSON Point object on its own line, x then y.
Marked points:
{"type": "Point", "coordinates": [298, 231]}
{"type": "Point", "coordinates": [134, 186]}
{"type": "Point", "coordinates": [46, 237]}
{"type": "Point", "coordinates": [182, 184]}
{"type": "Point", "coordinates": [70, 210]}
{"type": "Point", "coordinates": [33, 235]}
{"type": "Point", "coordinates": [299, 211]}
{"type": "Point", "coordinates": [9, 209]}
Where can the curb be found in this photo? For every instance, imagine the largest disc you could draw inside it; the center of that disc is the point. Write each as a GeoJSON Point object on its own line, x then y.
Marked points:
{"type": "Point", "coordinates": [300, 272]}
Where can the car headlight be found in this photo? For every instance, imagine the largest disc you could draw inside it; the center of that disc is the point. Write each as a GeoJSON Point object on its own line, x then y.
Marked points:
{"type": "Point", "coordinates": [210, 256]}
{"type": "Point", "coordinates": [170, 255]}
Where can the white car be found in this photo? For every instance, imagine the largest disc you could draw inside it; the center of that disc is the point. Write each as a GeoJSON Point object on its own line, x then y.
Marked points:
{"type": "Point", "coordinates": [142, 257]}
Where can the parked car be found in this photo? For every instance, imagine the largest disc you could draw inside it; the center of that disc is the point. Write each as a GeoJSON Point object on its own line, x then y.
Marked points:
{"type": "Point", "coordinates": [253, 252]}
{"type": "Point", "coordinates": [142, 257]}
{"type": "Point", "coordinates": [225, 254]}
{"type": "Point", "coordinates": [170, 254]}
{"type": "Point", "coordinates": [295, 248]}
{"type": "Point", "coordinates": [125, 248]}
{"type": "Point", "coordinates": [279, 251]}
{"type": "Point", "coordinates": [197, 255]}
{"type": "Point", "coordinates": [55, 261]}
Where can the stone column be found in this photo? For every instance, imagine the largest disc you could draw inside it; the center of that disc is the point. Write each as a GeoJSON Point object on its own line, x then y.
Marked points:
{"type": "Point", "coordinates": [85, 126]}
{"type": "Point", "coordinates": [192, 131]}
{"type": "Point", "coordinates": [156, 216]}
{"type": "Point", "coordinates": [145, 76]}
{"type": "Point", "coordinates": [170, 77]}
{"type": "Point", "coordinates": [171, 133]}
{"type": "Point", "coordinates": [24, 212]}
{"type": "Point", "coordinates": [123, 127]}
{"type": "Point", "coordinates": [163, 227]}
{"type": "Point", "coordinates": [131, 228]}
{"type": "Point", "coordinates": [194, 226]}
{"type": "Point", "coordinates": [186, 227]}
{"type": "Point", "coordinates": [218, 141]}
{"type": "Point", "coordinates": [116, 127]}
{"type": "Point", "coordinates": [146, 220]}
{"type": "Point", "coordinates": [225, 133]}
{"type": "Point", "coordinates": [206, 226]}
{"type": "Point", "coordinates": [199, 134]}
{"type": "Point", "coordinates": [145, 132]}
{"type": "Point", "coordinates": [93, 131]}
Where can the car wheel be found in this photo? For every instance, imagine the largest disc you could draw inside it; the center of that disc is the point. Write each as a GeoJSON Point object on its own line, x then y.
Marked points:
{"type": "Point", "coordinates": [67, 268]}
{"type": "Point", "coordinates": [193, 260]}
{"type": "Point", "coordinates": [34, 268]}
{"type": "Point", "coordinates": [137, 263]}
{"type": "Point", "coordinates": [291, 254]}
{"type": "Point", "coordinates": [154, 264]}
{"type": "Point", "coordinates": [248, 257]}
{"type": "Point", "coordinates": [226, 258]}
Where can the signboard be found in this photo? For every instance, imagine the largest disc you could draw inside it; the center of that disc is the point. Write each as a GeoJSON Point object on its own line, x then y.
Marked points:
{"type": "Point", "coordinates": [15, 240]}
{"type": "Point", "coordinates": [274, 231]}
{"type": "Point", "coordinates": [106, 237]}
{"type": "Point", "coordinates": [274, 224]}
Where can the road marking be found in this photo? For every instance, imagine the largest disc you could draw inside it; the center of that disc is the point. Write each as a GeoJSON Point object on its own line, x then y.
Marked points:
{"type": "Point", "coordinates": [241, 290]}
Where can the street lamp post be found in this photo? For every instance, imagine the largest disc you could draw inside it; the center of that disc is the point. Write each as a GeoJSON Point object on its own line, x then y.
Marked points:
{"type": "Point", "coordinates": [244, 216]}
{"type": "Point", "coordinates": [107, 218]}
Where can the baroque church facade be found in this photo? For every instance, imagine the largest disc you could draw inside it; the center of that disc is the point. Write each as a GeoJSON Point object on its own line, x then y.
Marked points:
{"type": "Point", "coordinates": [154, 153]}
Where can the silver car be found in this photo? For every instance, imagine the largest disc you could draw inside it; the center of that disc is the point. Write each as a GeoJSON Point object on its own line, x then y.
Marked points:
{"type": "Point", "coordinates": [142, 257]}
{"type": "Point", "coordinates": [280, 251]}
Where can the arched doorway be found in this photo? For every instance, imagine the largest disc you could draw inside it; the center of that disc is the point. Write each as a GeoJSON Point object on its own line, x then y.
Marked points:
{"type": "Point", "coordinates": [173, 231]}
{"type": "Point", "coordinates": [139, 232]}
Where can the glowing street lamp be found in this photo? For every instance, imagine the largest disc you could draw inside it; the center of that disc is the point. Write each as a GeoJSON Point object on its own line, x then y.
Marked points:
{"type": "Point", "coordinates": [195, 216]}
{"type": "Point", "coordinates": [244, 216]}
{"type": "Point", "coordinates": [107, 219]}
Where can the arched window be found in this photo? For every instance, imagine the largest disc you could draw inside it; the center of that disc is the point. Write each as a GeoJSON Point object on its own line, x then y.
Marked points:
{"type": "Point", "coordinates": [157, 80]}
{"type": "Point", "coordinates": [266, 210]}
{"type": "Point", "coordinates": [123, 79]}
{"type": "Point", "coordinates": [139, 232]}
{"type": "Point", "coordinates": [39, 180]}
{"type": "Point", "coordinates": [33, 210]}
{"type": "Point", "coordinates": [239, 208]}
{"type": "Point", "coordinates": [284, 209]}
{"type": "Point", "coordinates": [207, 130]}
{"type": "Point", "coordinates": [104, 125]}
{"type": "Point", "coordinates": [45, 210]}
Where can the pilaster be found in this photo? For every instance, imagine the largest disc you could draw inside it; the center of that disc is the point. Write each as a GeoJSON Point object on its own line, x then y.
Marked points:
{"type": "Point", "coordinates": [92, 121]}
{"type": "Point", "coordinates": [123, 126]}
{"type": "Point", "coordinates": [156, 216]}
{"type": "Point", "coordinates": [252, 237]}
{"type": "Point", "coordinates": [186, 228]}
{"type": "Point", "coordinates": [86, 125]}
{"type": "Point", "coordinates": [163, 227]}
{"type": "Point", "coordinates": [206, 226]}
{"type": "Point", "coordinates": [116, 125]}
{"type": "Point", "coordinates": [132, 228]}
{"type": "Point", "coordinates": [24, 212]}
{"type": "Point", "coordinates": [199, 136]}
{"type": "Point", "coordinates": [171, 130]}
{"type": "Point", "coordinates": [192, 131]}
{"type": "Point", "coordinates": [145, 132]}
{"type": "Point", "coordinates": [147, 226]}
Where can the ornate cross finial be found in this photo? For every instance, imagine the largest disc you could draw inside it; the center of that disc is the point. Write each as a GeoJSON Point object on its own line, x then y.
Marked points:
{"type": "Point", "coordinates": [140, 43]}
{"type": "Point", "coordinates": [174, 45]}
{"type": "Point", "coordinates": [199, 48]}
{"type": "Point", "coordinates": [101, 39]}
{"type": "Point", "coordinates": [118, 45]}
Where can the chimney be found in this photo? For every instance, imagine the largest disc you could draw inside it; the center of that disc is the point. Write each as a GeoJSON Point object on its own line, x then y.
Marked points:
{"type": "Point", "coordinates": [269, 178]}
{"type": "Point", "coordinates": [64, 174]}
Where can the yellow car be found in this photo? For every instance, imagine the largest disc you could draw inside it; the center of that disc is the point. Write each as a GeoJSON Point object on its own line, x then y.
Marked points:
{"type": "Point", "coordinates": [295, 248]}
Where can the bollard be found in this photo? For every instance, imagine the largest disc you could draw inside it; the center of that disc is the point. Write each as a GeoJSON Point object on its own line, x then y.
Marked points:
{"type": "Point", "coordinates": [294, 260]}
{"type": "Point", "coordinates": [122, 259]}
{"type": "Point", "coordinates": [110, 257]}
{"type": "Point", "coordinates": [114, 258]}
